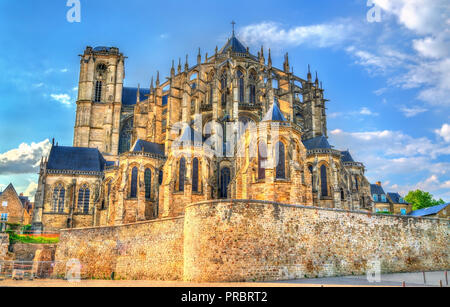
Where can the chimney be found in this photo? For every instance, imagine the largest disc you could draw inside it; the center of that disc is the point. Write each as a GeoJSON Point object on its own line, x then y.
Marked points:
{"type": "Point", "coordinates": [379, 183]}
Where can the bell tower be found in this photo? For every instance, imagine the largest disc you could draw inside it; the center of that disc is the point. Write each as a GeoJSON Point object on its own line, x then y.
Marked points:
{"type": "Point", "coordinates": [99, 100]}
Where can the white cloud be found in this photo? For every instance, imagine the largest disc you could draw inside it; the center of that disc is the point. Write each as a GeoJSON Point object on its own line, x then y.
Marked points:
{"type": "Point", "coordinates": [24, 159]}
{"type": "Point", "coordinates": [62, 98]}
{"type": "Point", "coordinates": [421, 16]}
{"type": "Point", "coordinates": [64, 70]}
{"type": "Point", "coordinates": [389, 155]}
{"type": "Point", "coordinates": [444, 132]}
{"type": "Point", "coordinates": [275, 35]}
{"type": "Point", "coordinates": [429, 68]}
{"type": "Point", "coordinates": [368, 112]}
{"type": "Point", "coordinates": [412, 111]}
{"type": "Point", "coordinates": [380, 91]}
{"type": "Point", "coordinates": [30, 191]}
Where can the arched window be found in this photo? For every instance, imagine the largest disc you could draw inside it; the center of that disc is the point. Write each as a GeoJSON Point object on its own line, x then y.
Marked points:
{"type": "Point", "coordinates": [84, 195]}
{"type": "Point", "coordinates": [281, 161]}
{"type": "Point", "coordinates": [240, 77]}
{"type": "Point", "coordinates": [134, 179]}
{"type": "Point", "coordinates": [148, 183]}
{"type": "Point", "coordinates": [356, 183]}
{"type": "Point", "coordinates": [225, 176]}
{"type": "Point", "coordinates": [161, 177]}
{"type": "Point", "coordinates": [223, 87]}
{"type": "Point", "coordinates": [252, 87]}
{"type": "Point", "coordinates": [195, 185]}
{"type": "Point", "coordinates": [262, 159]}
{"type": "Point", "coordinates": [58, 198]}
{"type": "Point", "coordinates": [342, 194]}
{"type": "Point", "coordinates": [324, 181]}
{"type": "Point", "coordinates": [125, 136]}
{"type": "Point", "coordinates": [182, 175]}
{"type": "Point", "coordinates": [193, 103]}
{"type": "Point", "coordinates": [98, 91]}
{"type": "Point", "coordinates": [108, 193]}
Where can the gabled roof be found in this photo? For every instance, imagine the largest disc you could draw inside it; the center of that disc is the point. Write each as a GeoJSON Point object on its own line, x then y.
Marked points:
{"type": "Point", "coordinates": [234, 45]}
{"type": "Point", "coordinates": [429, 211]}
{"type": "Point", "coordinates": [75, 159]}
{"type": "Point", "coordinates": [395, 197]}
{"type": "Point", "coordinates": [347, 157]}
{"type": "Point", "coordinates": [148, 147]}
{"type": "Point", "coordinates": [274, 114]}
{"type": "Point", "coordinates": [19, 198]}
{"type": "Point", "coordinates": [129, 95]}
{"type": "Point", "coordinates": [320, 142]}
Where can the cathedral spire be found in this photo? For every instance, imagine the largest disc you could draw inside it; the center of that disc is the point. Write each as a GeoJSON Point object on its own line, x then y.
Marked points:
{"type": "Point", "coordinates": [179, 65]}
{"type": "Point", "coordinates": [151, 86]}
{"type": "Point", "coordinates": [317, 79]}
{"type": "Point", "coordinates": [157, 78]}
{"type": "Point", "coordinates": [309, 73]}
{"type": "Point", "coordinates": [138, 93]}
{"type": "Point", "coordinates": [172, 70]}
{"type": "Point", "coordinates": [186, 65]}
{"type": "Point", "coordinates": [233, 24]}
{"type": "Point", "coordinates": [199, 57]}
{"type": "Point", "coordinates": [286, 63]}
{"type": "Point", "coordinates": [270, 59]}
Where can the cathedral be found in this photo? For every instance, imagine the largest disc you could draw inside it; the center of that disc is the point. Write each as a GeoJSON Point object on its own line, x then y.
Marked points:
{"type": "Point", "coordinates": [230, 126]}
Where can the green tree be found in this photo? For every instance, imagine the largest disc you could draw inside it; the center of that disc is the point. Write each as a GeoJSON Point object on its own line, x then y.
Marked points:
{"type": "Point", "coordinates": [422, 200]}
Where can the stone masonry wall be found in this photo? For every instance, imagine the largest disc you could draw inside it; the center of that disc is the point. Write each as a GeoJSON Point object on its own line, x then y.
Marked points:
{"type": "Point", "coordinates": [4, 244]}
{"type": "Point", "coordinates": [257, 241]}
{"type": "Point", "coordinates": [150, 250]}
{"type": "Point", "coordinates": [248, 240]}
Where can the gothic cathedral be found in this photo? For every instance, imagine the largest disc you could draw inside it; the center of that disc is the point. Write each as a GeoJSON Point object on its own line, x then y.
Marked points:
{"type": "Point", "coordinates": [231, 126]}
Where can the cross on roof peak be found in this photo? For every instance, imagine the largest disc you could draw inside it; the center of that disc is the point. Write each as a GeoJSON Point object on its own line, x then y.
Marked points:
{"type": "Point", "coordinates": [233, 24]}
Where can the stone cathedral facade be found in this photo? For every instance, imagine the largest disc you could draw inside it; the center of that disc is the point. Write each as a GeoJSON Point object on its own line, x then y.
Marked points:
{"type": "Point", "coordinates": [230, 126]}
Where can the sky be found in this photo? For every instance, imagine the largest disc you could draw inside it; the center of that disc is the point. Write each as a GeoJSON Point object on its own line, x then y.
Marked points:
{"type": "Point", "coordinates": [384, 64]}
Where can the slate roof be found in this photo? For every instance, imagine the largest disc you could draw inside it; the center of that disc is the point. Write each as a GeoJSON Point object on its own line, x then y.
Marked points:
{"type": "Point", "coordinates": [148, 147]}
{"type": "Point", "coordinates": [274, 114]}
{"type": "Point", "coordinates": [320, 142]}
{"type": "Point", "coordinates": [395, 197]}
{"type": "Point", "coordinates": [235, 45]}
{"type": "Point", "coordinates": [129, 95]}
{"type": "Point", "coordinates": [375, 189]}
{"type": "Point", "coordinates": [75, 159]}
{"type": "Point", "coordinates": [347, 157]}
{"type": "Point", "coordinates": [429, 211]}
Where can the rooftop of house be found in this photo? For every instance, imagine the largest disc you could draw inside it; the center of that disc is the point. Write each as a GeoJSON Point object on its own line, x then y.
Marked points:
{"type": "Point", "coordinates": [429, 211]}
{"type": "Point", "coordinates": [397, 198]}
{"type": "Point", "coordinates": [377, 189]}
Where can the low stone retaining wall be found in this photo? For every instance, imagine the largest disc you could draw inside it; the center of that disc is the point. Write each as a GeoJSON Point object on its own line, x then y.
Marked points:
{"type": "Point", "coordinates": [247, 240]}
{"type": "Point", "coordinates": [150, 250]}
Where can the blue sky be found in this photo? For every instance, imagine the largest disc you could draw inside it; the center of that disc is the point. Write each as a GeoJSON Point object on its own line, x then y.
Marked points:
{"type": "Point", "coordinates": [388, 81]}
